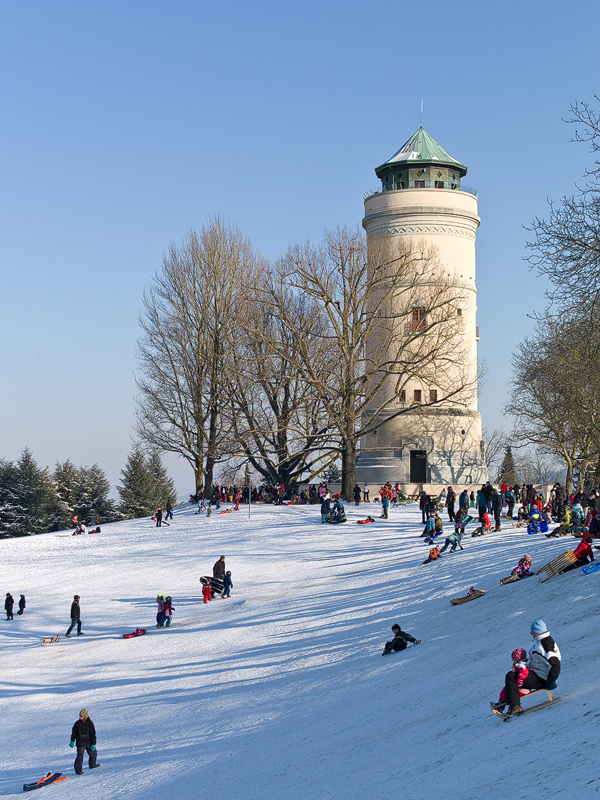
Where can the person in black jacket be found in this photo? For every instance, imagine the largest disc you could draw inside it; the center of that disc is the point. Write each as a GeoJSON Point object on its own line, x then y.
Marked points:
{"type": "Point", "coordinates": [21, 604]}
{"type": "Point", "coordinates": [400, 640]}
{"type": "Point", "coordinates": [75, 617]}
{"type": "Point", "coordinates": [8, 606]}
{"type": "Point", "coordinates": [450, 501]}
{"type": "Point", "coordinates": [83, 735]}
{"type": "Point", "coordinates": [357, 493]}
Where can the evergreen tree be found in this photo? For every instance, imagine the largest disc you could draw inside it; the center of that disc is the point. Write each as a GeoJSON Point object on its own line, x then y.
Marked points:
{"type": "Point", "coordinates": [137, 492]}
{"type": "Point", "coordinates": [91, 500]}
{"type": "Point", "coordinates": [8, 498]}
{"type": "Point", "coordinates": [34, 494]}
{"type": "Point", "coordinates": [66, 480]}
{"type": "Point", "coordinates": [508, 470]}
{"type": "Point", "coordinates": [163, 487]}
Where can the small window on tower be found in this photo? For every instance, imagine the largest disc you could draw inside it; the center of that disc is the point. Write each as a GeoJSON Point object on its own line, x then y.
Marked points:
{"type": "Point", "coordinates": [439, 184]}
{"type": "Point", "coordinates": [418, 319]}
{"type": "Point", "coordinates": [453, 186]}
{"type": "Point", "coordinates": [402, 396]}
{"type": "Point", "coordinates": [459, 312]}
{"type": "Point", "coordinates": [433, 395]}
{"type": "Point", "coordinates": [419, 184]}
{"type": "Point", "coordinates": [417, 396]}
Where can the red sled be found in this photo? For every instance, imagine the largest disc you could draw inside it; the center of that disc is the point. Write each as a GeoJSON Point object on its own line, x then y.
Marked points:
{"type": "Point", "coordinates": [137, 632]}
{"type": "Point", "coordinates": [364, 521]}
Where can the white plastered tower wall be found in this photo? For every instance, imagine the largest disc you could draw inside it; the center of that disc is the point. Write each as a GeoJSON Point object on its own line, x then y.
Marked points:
{"type": "Point", "coordinates": [434, 446]}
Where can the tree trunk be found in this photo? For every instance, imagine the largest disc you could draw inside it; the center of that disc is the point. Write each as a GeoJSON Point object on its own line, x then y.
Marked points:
{"type": "Point", "coordinates": [348, 470]}
{"type": "Point", "coordinates": [199, 475]}
{"type": "Point", "coordinates": [597, 475]}
{"type": "Point", "coordinates": [569, 480]}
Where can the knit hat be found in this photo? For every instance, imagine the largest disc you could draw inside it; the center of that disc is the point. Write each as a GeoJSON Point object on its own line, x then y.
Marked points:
{"type": "Point", "coordinates": [538, 626]}
{"type": "Point", "coordinates": [519, 654]}
{"type": "Point", "coordinates": [527, 557]}
{"type": "Point", "coordinates": [84, 712]}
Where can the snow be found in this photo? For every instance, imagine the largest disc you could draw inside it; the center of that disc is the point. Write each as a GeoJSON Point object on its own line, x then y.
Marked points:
{"type": "Point", "coordinates": [281, 690]}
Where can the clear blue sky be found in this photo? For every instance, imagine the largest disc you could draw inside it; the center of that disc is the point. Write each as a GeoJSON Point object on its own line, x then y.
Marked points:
{"type": "Point", "coordinates": [125, 124]}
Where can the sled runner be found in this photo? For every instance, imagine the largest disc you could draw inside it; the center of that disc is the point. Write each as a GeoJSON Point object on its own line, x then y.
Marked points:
{"type": "Point", "coordinates": [51, 777]}
{"type": "Point", "coordinates": [216, 584]}
{"type": "Point", "coordinates": [551, 700]}
{"type": "Point", "coordinates": [556, 566]}
{"type": "Point", "coordinates": [51, 639]}
{"type": "Point", "coordinates": [591, 567]}
{"type": "Point", "coordinates": [364, 521]}
{"type": "Point", "coordinates": [136, 632]}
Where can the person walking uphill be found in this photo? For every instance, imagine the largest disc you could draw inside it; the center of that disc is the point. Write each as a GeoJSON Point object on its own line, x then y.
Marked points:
{"type": "Point", "coordinates": [158, 516]}
{"type": "Point", "coordinates": [21, 605]}
{"type": "Point", "coordinates": [219, 569]}
{"type": "Point", "coordinates": [8, 606]}
{"type": "Point", "coordinates": [75, 617]}
{"type": "Point", "coordinates": [544, 667]}
{"type": "Point", "coordinates": [84, 736]}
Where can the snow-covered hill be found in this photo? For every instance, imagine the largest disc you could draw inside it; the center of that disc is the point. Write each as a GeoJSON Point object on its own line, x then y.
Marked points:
{"type": "Point", "coordinates": [281, 691]}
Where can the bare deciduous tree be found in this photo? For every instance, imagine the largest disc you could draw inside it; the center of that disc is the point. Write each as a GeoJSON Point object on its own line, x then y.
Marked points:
{"type": "Point", "coordinates": [364, 302]}
{"type": "Point", "coordinates": [555, 394]}
{"type": "Point", "coordinates": [189, 323]}
{"type": "Point", "coordinates": [566, 245]}
{"type": "Point", "coordinates": [280, 423]}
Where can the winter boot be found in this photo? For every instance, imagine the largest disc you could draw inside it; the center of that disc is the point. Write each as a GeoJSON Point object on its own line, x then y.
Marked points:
{"type": "Point", "coordinates": [515, 711]}
{"type": "Point", "coordinates": [497, 706]}
{"type": "Point", "coordinates": [497, 528]}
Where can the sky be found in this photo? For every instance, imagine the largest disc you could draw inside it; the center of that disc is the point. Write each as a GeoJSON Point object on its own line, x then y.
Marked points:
{"type": "Point", "coordinates": [123, 125]}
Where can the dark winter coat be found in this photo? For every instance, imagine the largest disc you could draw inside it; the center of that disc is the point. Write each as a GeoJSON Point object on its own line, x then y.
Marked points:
{"type": "Point", "coordinates": [158, 515]}
{"type": "Point", "coordinates": [9, 603]}
{"type": "Point", "coordinates": [357, 492]}
{"type": "Point", "coordinates": [75, 610]}
{"type": "Point", "coordinates": [84, 733]}
{"type": "Point", "coordinates": [219, 570]}
{"type": "Point", "coordinates": [227, 584]}
{"type": "Point", "coordinates": [326, 506]}
{"type": "Point", "coordinates": [400, 639]}
{"type": "Point", "coordinates": [22, 603]}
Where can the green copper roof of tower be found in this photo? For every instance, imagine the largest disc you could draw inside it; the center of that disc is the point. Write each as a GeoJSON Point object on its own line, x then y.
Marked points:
{"type": "Point", "coordinates": [422, 149]}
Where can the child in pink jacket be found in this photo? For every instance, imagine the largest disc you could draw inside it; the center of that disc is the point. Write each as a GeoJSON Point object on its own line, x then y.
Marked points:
{"type": "Point", "coordinates": [519, 659]}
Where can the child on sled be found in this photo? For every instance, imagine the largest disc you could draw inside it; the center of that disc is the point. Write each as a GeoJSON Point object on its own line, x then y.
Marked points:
{"type": "Point", "coordinates": [519, 659]}
{"type": "Point", "coordinates": [434, 554]}
{"type": "Point", "coordinates": [485, 527]}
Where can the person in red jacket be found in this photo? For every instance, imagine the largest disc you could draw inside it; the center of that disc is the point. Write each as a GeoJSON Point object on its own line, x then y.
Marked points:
{"type": "Point", "coordinates": [206, 593]}
{"type": "Point", "coordinates": [583, 553]}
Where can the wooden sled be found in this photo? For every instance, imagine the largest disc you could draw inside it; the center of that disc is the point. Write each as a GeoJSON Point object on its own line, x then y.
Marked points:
{"type": "Point", "coordinates": [509, 579]}
{"type": "Point", "coordinates": [549, 702]}
{"type": "Point", "coordinates": [556, 566]}
{"type": "Point", "coordinates": [458, 601]}
{"type": "Point", "coordinates": [51, 639]}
